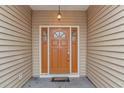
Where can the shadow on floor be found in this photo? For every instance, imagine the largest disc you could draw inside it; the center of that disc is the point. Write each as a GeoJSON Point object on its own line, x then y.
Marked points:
{"type": "Point", "coordinates": [81, 82]}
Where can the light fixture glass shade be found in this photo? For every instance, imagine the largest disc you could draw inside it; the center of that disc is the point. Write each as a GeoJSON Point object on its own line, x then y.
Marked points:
{"type": "Point", "coordinates": [59, 16]}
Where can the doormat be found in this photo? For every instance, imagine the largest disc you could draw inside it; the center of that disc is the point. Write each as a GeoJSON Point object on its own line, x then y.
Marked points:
{"type": "Point", "coordinates": [60, 79]}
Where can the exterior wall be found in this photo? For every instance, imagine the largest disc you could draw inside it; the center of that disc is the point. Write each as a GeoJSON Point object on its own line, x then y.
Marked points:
{"type": "Point", "coordinates": [105, 67]}
{"type": "Point", "coordinates": [50, 18]}
{"type": "Point", "coordinates": [15, 45]}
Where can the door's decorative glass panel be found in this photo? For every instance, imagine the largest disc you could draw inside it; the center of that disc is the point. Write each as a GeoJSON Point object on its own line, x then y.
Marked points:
{"type": "Point", "coordinates": [63, 35]}
{"type": "Point", "coordinates": [58, 35]}
{"type": "Point", "coordinates": [44, 35]}
{"type": "Point", "coordinates": [74, 34]}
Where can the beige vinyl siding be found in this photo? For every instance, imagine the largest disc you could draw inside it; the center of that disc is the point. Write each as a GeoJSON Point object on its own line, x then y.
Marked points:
{"type": "Point", "coordinates": [105, 61]}
{"type": "Point", "coordinates": [15, 45]}
{"type": "Point", "coordinates": [71, 18]}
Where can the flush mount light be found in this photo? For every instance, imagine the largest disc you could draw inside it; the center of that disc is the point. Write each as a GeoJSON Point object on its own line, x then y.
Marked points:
{"type": "Point", "coordinates": [59, 15]}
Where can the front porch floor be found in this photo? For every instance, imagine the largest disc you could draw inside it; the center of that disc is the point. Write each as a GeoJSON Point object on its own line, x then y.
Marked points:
{"type": "Point", "coordinates": [81, 82]}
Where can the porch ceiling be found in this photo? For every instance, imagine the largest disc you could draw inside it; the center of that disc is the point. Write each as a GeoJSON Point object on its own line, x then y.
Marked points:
{"type": "Point", "coordinates": [63, 7]}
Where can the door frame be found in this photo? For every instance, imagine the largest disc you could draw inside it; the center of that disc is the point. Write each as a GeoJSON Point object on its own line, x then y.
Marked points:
{"type": "Point", "coordinates": [40, 53]}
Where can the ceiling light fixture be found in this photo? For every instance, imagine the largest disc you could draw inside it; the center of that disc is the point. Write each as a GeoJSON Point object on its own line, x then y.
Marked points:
{"type": "Point", "coordinates": [59, 15]}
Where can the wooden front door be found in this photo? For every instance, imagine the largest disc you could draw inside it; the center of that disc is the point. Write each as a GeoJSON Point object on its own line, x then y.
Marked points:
{"type": "Point", "coordinates": [59, 50]}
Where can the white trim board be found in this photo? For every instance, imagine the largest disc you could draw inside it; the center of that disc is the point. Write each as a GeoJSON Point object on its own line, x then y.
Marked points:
{"type": "Point", "coordinates": [40, 54]}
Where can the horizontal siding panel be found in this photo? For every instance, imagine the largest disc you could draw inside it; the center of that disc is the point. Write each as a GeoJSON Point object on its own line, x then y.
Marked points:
{"type": "Point", "coordinates": [112, 24]}
{"type": "Point", "coordinates": [12, 58]}
{"type": "Point", "coordinates": [13, 63]}
{"type": "Point", "coordinates": [109, 12]}
{"type": "Point", "coordinates": [45, 13]}
{"type": "Point", "coordinates": [16, 9]}
{"type": "Point", "coordinates": [11, 21]}
{"type": "Point", "coordinates": [97, 83]}
{"type": "Point", "coordinates": [111, 54]}
{"type": "Point", "coordinates": [114, 30]}
{"type": "Point", "coordinates": [23, 12]}
{"type": "Point", "coordinates": [3, 84]}
{"type": "Point", "coordinates": [105, 58]}
{"type": "Point", "coordinates": [101, 79]}
{"type": "Point", "coordinates": [12, 12]}
{"type": "Point", "coordinates": [115, 61]}
{"type": "Point", "coordinates": [11, 53]}
{"type": "Point", "coordinates": [108, 43]}
{"type": "Point", "coordinates": [114, 76]}
{"type": "Point", "coordinates": [108, 48]}
{"type": "Point", "coordinates": [12, 37]}
{"type": "Point", "coordinates": [12, 27]}
{"type": "Point", "coordinates": [8, 82]}
{"type": "Point", "coordinates": [94, 11]}
{"type": "Point", "coordinates": [6, 74]}
{"type": "Point", "coordinates": [8, 48]}
{"type": "Point", "coordinates": [14, 43]}
{"type": "Point", "coordinates": [28, 75]}
{"type": "Point", "coordinates": [109, 37]}
{"type": "Point", "coordinates": [104, 81]}
{"type": "Point", "coordinates": [13, 17]}
{"type": "Point", "coordinates": [108, 64]}
{"type": "Point", "coordinates": [13, 33]}
{"type": "Point", "coordinates": [15, 46]}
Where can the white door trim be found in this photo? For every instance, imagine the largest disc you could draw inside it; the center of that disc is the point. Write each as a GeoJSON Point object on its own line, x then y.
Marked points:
{"type": "Point", "coordinates": [40, 54]}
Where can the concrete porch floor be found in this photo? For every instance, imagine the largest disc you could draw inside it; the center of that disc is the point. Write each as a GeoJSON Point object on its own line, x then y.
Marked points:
{"type": "Point", "coordinates": [81, 82]}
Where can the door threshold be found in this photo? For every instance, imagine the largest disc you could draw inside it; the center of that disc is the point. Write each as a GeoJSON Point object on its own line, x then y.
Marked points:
{"type": "Point", "coordinates": [58, 75]}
